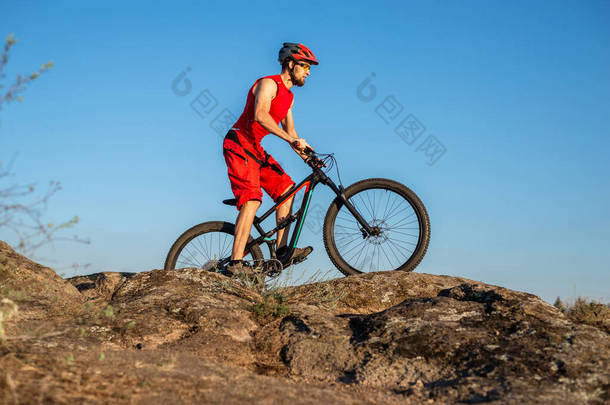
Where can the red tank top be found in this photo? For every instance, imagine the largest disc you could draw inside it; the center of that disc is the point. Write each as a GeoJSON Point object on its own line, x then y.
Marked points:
{"type": "Point", "coordinates": [250, 129]}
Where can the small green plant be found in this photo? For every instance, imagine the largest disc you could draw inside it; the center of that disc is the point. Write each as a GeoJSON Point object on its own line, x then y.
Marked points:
{"type": "Point", "coordinates": [273, 305]}
{"type": "Point", "coordinates": [108, 312]}
{"type": "Point", "coordinates": [69, 359]}
{"type": "Point", "coordinates": [126, 327]}
{"type": "Point", "coordinates": [12, 294]}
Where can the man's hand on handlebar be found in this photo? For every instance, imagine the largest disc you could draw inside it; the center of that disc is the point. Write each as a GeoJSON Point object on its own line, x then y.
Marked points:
{"type": "Point", "coordinates": [301, 145]}
{"type": "Point", "coordinates": [307, 153]}
{"type": "Point", "coordinates": [302, 148]}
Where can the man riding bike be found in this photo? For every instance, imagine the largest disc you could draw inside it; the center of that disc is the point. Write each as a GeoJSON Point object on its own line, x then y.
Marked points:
{"type": "Point", "coordinates": [250, 167]}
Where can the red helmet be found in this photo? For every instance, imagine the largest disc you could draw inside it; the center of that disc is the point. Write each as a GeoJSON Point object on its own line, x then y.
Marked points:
{"type": "Point", "coordinates": [297, 52]}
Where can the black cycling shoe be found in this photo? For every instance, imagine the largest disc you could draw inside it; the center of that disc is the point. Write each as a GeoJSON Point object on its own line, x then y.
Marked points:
{"type": "Point", "coordinates": [242, 270]}
{"type": "Point", "coordinates": [237, 267]}
{"type": "Point", "coordinates": [298, 255]}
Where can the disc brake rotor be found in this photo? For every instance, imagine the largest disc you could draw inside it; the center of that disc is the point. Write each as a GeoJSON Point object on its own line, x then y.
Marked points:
{"type": "Point", "coordinates": [382, 232]}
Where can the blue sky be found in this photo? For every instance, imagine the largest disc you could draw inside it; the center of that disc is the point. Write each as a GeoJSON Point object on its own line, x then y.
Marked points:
{"type": "Point", "coordinates": [518, 93]}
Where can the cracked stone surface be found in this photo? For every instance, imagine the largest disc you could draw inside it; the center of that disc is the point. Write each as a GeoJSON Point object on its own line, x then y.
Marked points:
{"type": "Point", "coordinates": [191, 336]}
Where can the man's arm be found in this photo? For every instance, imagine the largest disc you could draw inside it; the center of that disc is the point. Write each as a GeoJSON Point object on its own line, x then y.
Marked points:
{"type": "Point", "coordinates": [263, 95]}
{"type": "Point", "coordinates": [288, 125]}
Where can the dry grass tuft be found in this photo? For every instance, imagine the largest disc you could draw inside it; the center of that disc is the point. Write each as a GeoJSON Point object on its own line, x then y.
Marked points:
{"type": "Point", "coordinates": [7, 310]}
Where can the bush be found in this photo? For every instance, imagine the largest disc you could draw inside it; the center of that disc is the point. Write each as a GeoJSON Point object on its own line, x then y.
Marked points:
{"type": "Point", "coordinates": [272, 306]}
{"type": "Point", "coordinates": [586, 312]}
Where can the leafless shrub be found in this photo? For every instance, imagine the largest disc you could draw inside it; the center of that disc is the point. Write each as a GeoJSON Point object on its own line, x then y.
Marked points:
{"type": "Point", "coordinates": [13, 91]}
{"type": "Point", "coordinates": [22, 212]}
{"type": "Point", "coordinates": [22, 205]}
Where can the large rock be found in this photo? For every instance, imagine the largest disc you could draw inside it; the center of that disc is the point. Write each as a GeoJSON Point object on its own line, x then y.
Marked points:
{"type": "Point", "coordinates": [39, 292]}
{"type": "Point", "coordinates": [471, 342]}
{"type": "Point", "coordinates": [99, 286]}
{"type": "Point", "coordinates": [190, 309]}
{"type": "Point", "coordinates": [191, 336]}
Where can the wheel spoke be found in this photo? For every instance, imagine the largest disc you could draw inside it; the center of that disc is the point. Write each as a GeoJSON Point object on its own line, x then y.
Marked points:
{"type": "Point", "coordinates": [396, 224]}
{"type": "Point", "coordinates": [192, 257]}
{"type": "Point", "coordinates": [403, 233]}
{"type": "Point", "coordinates": [350, 250]}
{"type": "Point", "coordinates": [399, 248]}
{"type": "Point", "coordinates": [387, 204]}
{"type": "Point", "coordinates": [359, 253]}
{"type": "Point", "coordinates": [207, 247]}
{"type": "Point", "coordinates": [199, 248]}
{"type": "Point", "coordinates": [401, 222]}
{"type": "Point", "coordinates": [396, 212]}
{"type": "Point", "coordinates": [397, 207]}
{"type": "Point", "coordinates": [386, 256]}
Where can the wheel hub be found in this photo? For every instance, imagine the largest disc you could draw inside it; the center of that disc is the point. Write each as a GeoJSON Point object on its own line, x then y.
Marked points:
{"type": "Point", "coordinates": [379, 232]}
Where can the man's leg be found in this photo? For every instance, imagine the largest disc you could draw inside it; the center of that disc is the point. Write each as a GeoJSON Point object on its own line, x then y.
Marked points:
{"type": "Point", "coordinates": [242, 228]}
{"type": "Point", "coordinates": [273, 179]}
{"type": "Point", "coordinates": [298, 254]}
{"type": "Point", "coordinates": [282, 212]}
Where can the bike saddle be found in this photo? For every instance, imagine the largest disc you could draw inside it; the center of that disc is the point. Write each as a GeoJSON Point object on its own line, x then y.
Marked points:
{"type": "Point", "coordinates": [230, 201]}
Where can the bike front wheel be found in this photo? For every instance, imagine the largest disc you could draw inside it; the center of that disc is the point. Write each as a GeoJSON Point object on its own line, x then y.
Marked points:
{"type": "Point", "coordinates": [207, 246]}
{"type": "Point", "coordinates": [394, 211]}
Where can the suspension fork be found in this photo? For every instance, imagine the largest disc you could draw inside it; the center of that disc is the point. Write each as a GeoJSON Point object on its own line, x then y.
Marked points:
{"type": "Point", "coordinates": [341, 195]}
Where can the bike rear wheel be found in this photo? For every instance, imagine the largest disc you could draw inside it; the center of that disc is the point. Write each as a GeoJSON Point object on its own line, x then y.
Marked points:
{"type": "Point", "coordinates": [397, 214]}
{"type": "Point", "coordinates": [206, 245]}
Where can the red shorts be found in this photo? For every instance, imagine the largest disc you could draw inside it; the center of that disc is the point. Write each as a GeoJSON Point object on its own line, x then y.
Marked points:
{"type": "Point", "coordinates": [249, 173]}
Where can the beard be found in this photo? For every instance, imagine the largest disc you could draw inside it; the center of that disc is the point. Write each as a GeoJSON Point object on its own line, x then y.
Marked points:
{"type": "Point", "coordinates": [296, 81]}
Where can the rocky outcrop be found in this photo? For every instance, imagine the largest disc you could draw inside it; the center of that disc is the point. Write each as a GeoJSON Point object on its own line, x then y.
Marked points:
{"type": "Point", "coordinates": [192, 336]}
{"type": "Point", "coordinates": [469, 343]}
{"type": "Point", "coordinates": [37, 289]}
{"type": "Point", "coordinates": [100, 285]}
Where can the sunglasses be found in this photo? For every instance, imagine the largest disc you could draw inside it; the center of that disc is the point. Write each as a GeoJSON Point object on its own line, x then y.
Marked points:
{"type": "Point", "coordinates": [305, 66]}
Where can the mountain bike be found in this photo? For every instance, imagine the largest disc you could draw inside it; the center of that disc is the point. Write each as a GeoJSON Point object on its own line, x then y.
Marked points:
{"type": "Point", "coordinates": [373, 225]}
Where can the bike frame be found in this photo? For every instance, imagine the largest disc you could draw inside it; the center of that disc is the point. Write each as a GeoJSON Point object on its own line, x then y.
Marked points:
{"type": "Point", "coordinates": [310, 183]}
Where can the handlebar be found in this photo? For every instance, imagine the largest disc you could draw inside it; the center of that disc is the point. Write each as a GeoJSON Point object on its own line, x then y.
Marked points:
{"type": "Point", "coordinates": [312, 160]}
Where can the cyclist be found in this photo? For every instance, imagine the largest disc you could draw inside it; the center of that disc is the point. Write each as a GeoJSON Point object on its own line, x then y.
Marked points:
{"type": "Point", "coordinates": [250, 167]}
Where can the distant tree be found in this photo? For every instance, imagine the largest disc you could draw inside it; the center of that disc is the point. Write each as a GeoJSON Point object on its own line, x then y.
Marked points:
{"type": "Point", "coordinates": [586, 311]}
{"type": "Point", "coordinates": [21, 205]}
{"type": "Point", "coordinates": [559, 305]}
